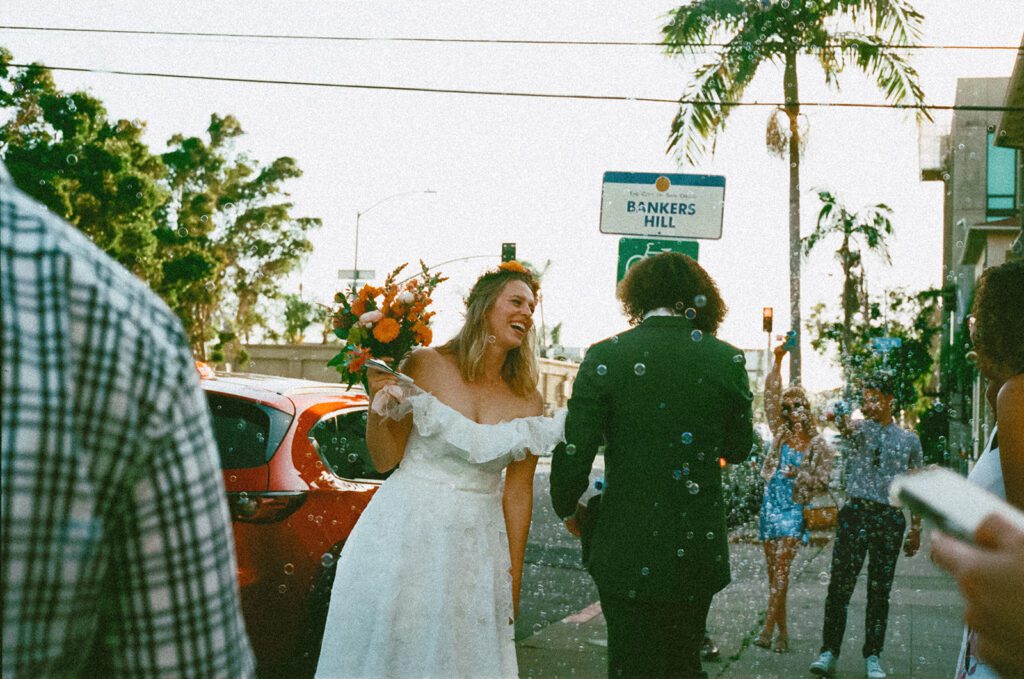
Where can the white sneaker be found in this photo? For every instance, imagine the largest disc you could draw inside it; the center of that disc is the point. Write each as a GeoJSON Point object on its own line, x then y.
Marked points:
{"type": "Point", "coordinates": [825, 665]}
{"type": "Point", "coordinates": [873, 667]}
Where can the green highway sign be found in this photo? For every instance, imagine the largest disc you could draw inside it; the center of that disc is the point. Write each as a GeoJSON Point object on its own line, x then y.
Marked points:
{"type": "Point", "coordinates": [632, 250]}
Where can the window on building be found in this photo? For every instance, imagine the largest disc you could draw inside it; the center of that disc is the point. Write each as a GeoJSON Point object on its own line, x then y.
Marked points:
{"type": "Point", "coordinates": [1001, 173]}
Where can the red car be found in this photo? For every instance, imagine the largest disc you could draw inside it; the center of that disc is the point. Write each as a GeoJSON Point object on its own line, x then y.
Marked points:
{"type": "Point", "coordinates": [298, 475]}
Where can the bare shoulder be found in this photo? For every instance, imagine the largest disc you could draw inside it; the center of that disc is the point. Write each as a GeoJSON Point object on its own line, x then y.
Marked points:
{"type": "Point", "coordinates": [1012, 391]}
{"type": "Point", "coordinates": [1010, 408]}
{"type": "Point", "coordinates": [430, 369]}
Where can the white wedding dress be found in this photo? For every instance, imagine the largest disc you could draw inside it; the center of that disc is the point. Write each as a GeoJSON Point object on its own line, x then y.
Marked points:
{"type": "Point", "coordinates": [423, 587]}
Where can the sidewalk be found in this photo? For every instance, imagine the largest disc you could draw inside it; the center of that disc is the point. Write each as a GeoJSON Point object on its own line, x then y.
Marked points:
{"type": "Point", "coordinates": [922, 641]}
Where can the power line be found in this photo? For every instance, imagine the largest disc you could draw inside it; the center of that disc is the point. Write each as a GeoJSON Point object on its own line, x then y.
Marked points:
{"type": "Point", "coordinates": [534, 95]}
{"type": "Point", "coordinates": [471, 41]}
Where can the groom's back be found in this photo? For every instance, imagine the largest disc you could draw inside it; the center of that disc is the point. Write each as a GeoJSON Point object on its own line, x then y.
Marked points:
{"type": "Point", "coordinates": [672, 401]}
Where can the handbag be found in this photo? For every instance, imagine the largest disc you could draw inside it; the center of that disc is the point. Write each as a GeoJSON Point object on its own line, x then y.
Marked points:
{"type": "Point", "coordinates": [821, 518]}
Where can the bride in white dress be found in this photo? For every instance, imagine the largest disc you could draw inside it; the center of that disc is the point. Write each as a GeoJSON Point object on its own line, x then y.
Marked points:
{"type": "Point", "coordinates": [428, 582]}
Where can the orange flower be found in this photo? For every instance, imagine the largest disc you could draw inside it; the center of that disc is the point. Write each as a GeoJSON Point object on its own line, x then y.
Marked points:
{"type": "Point", "coordinates": [512, 266]}
{"type": "Point", "coordinates": [386, 330]}
{"type": "Point", "coordinates": [423, 333]}
{"type": "Point", "coordinates": [359, 358]}
{"type": "Point", "coordinates": [359, 306]}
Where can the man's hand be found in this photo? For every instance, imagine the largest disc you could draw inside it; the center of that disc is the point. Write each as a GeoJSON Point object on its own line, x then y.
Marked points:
{"type": "Point", "coordinates": [913, 542]}
{"type": "Point", "coordinates": [991, 579]}
{"type": "Point", "coordinates": [572, 525]}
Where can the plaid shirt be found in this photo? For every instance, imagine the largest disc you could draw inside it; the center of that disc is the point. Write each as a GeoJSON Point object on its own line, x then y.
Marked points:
{"type": "Point", "coordinates": [117, 551]}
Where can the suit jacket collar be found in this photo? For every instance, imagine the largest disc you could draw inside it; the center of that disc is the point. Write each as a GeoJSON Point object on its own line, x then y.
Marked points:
{"type": "Point", "coordinates": [667, 321]}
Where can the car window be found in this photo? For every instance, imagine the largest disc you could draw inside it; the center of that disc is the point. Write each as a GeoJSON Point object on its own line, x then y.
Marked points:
{"type": "Point", "coordinates": [247, 433]}
{"type": "Point", "coordinates": [341, 442]}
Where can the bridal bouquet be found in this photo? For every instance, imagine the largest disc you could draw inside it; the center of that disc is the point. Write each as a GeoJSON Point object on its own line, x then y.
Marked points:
{"type": "Point", "coordinates": [383, 322]}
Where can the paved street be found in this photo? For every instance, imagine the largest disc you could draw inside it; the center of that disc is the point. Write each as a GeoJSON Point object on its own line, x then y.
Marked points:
{"type": "Point", "coordinates": [554, 582]}
{"type": "Point", "coordinates": [922, 641]}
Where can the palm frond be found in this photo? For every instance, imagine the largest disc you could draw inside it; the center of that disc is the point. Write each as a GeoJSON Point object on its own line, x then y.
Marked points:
{"type": "Point", "coordinates": [891, 71]}
{"type": "Point", "coordinates": [699, 21]}
{"type": "Point", "coordinates": [702, 113]}
{"type": "Point", "coordinates": [895, 21]}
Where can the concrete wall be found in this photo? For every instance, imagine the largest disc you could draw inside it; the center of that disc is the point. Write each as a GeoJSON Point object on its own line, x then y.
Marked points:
{"type": "Point", "coordinates": [309, 361]}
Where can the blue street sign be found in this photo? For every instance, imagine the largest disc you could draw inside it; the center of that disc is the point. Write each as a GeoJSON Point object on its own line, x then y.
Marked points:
{"type": "Point", "coordinates": [883, 345]}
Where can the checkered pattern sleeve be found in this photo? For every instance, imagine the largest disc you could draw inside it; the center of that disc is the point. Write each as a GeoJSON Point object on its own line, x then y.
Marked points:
{"type": "Point", "coordinates": [117, 552]}
{"type": "Point", "coordinates": [175, 611]}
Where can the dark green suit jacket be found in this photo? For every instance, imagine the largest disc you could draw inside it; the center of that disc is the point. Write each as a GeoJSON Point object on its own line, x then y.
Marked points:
{"type": "Point", "coordinates": [668, 403]}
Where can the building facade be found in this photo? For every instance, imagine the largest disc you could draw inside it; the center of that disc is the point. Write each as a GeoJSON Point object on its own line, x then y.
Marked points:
{"type": "Point", "coordinates": [981, 228]}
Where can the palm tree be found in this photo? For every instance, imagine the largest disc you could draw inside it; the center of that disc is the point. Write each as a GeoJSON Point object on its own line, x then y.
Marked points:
{"type": "Point", "coordinates": [866, 33]}
{"type": "Point", "coordinates": [860, 231]}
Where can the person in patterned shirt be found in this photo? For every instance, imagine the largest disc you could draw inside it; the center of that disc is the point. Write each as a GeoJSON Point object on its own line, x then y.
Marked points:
{"type": "Point", "coordinates": [117, 552]}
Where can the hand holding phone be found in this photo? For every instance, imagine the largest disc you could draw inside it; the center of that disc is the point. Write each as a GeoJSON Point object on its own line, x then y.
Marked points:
{"type": "Point", "coordinates": [951, 502]}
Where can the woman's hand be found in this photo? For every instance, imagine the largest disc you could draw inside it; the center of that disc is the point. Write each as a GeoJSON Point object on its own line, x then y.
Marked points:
{"type": "Point", "coordinates": [378, 379]}
{"type": "Point", "coordinates": [780, 353]}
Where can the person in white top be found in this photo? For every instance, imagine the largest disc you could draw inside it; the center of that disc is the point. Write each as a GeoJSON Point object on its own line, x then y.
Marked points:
{"type": "Point", "coordinates": [997, 331]}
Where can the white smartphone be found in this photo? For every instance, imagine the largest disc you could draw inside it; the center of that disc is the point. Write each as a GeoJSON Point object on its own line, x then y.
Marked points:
{"type": "Point", "coordinates": [377, 364]}
{"type": "Point", "coordinates": [951, 502]}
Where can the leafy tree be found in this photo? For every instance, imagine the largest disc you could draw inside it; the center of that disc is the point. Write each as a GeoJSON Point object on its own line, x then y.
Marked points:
{"type": "Point", "coordinates": [912, 317]}
{"type": "Point", "coordinates": [208, 228]}
{"type": "Point", "coordinates": [62, 149]}
{"type": "Point", "coordinates": [859, 231]}
{"type": "Point", "coordinates": [229, 235]}
{"type": "Point", "coordinates": [865, 33]}
{"type": "Point", "coordinates": [299, 314]}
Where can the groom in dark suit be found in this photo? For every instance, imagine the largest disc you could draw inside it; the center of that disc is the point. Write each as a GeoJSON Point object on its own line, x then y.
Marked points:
{"type": "Point", "coordinates": [668, 399]}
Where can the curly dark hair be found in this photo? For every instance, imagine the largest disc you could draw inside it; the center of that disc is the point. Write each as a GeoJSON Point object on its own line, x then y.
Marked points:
{"type": "Point", "coordinates": [999, 317]}
{"type": "Point", "coordinates": [675, 281]}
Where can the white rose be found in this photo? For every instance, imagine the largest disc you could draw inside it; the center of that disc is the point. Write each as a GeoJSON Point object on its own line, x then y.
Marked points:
{"type": "Point", "coordinates": [369, 318]}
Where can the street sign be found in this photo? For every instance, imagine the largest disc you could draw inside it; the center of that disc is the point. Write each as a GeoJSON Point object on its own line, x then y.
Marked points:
{"type": "Point", "coordinates": [632, 250]}
{"type": "Point", "coordinates": [663, 205]}
{"type": "Point", "coordinates": [883, 345]}
{"type": "Point", "coordinates": [353, 275]}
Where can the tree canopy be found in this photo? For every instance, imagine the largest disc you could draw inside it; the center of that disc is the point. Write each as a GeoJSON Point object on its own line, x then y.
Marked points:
{"type": "Point", "coordinates": [208, 227]}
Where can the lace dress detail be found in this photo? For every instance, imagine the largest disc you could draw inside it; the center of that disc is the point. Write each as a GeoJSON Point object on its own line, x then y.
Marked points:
{"type": "Point", "coordinates": [423, 587]}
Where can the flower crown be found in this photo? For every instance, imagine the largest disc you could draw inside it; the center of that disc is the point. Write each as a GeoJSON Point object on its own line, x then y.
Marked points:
{"type": "Point", "coordinates": [513, 265]}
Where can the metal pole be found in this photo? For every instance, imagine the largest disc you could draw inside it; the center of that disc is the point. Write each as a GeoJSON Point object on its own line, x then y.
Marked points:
{"type": "Point", "coordinates": [355, 257]}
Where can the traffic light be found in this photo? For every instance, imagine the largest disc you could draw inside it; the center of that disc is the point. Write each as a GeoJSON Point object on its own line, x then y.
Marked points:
{"type": "Point", "coordinates": [508, 252]}
{"type": "Point", "coordinates": [766, 318]}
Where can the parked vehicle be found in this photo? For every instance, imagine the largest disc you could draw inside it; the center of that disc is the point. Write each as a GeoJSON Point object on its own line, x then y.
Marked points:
{"type": "Point", "coordinates": [298, 475]}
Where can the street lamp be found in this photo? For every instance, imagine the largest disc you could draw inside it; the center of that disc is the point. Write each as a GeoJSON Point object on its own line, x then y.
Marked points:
{"type": "Point", "coordinates": [360, 213]}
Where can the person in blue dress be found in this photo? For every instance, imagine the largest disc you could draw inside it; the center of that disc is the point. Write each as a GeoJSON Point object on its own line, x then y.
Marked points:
{"type": "Point", "coordinates": [796, 468]}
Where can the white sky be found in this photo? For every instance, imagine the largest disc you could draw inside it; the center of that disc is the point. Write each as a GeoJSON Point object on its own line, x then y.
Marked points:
{"type": "Point", "coordinates": [518, 169]}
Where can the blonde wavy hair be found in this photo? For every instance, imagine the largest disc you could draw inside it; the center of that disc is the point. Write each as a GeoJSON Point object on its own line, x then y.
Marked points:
{"type": "Point", "coordinates": [520, 370]}
{"type": "Point", "coordinates": [810, 421]}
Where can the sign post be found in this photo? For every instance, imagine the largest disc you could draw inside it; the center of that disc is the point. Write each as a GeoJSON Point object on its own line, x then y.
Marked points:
{"type": "Point", "coordinates": [650, 205]}
{"type": "Point", "coordinates": [357, 275]}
